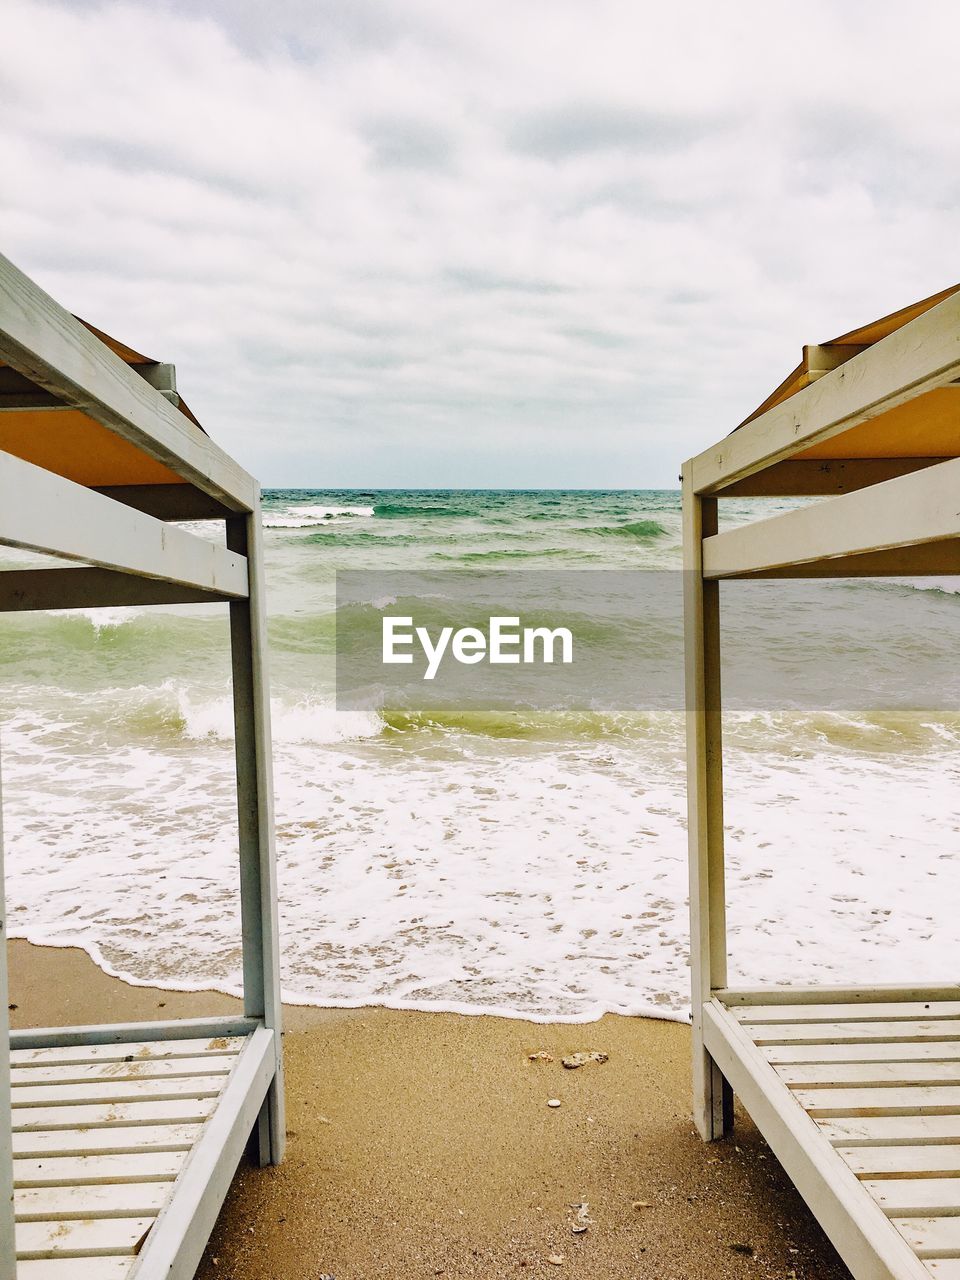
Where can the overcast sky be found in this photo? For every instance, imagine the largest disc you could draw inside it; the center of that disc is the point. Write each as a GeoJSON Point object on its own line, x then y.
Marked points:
{"type": "Point", "coordinates": [437, 243]}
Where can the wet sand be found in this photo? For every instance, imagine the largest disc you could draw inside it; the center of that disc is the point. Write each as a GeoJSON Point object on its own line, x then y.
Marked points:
{"type": "Point", "coordinates": [421, 1145]}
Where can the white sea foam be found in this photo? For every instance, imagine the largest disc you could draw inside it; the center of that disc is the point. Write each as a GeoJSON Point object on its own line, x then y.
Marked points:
{"type": "Point", "coordinates": [550, 884]}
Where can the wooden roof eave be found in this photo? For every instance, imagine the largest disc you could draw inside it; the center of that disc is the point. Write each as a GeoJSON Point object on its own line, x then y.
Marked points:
{"type": "Point", "coordinates": [63, 356]}
{"type": "Point", "coordinates": [920, 357]}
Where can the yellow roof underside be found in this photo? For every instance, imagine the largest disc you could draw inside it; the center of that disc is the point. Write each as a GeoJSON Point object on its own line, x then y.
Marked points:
{"type": "Point", "coordinates": [70, 443]}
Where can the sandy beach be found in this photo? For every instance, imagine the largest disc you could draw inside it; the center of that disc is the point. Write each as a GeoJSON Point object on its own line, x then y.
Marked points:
{"type": "Point", "coordinates": [421, 1144]}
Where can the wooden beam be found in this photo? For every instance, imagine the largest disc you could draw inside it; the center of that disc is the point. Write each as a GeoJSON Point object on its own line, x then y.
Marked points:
{"type": "Point", "coordinates": [258, 871]}
{"type": "Point", "coordinates": [820, 477]}
{"type": "Point", "coordinates": [736, 996]}
{"type": "Point", "coordinates": [43, 512]}
{"type": "Point", "coordinates": [43, 342]}
{"type": "Point", "coordinates": [167, 501]}
{"type": "Point", "coordinates": [908, 511]}
{"type": "Point", "coordinates": [124, 1032]}
{"type": "Point", "coordinates": [712, 1099]}
{"type": "Point", "coordinates": [920, 356]}
{"type": "Point", "coordinates": [929, 559]}
{"type": "Point", "coordinates": [8, 1256]}
{"type": "Point", "coordinates": [26, 590]}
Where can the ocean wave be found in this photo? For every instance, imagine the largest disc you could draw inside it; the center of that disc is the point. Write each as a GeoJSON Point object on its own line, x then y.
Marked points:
{"type": "Point", "coordinates": [414, 511]}
{"type": "Point", "coordinates": [490, 557]}
{"type": "Point", "coordinates": [306, 517]}
{"type": "Point", "coordinates": [639, 529]}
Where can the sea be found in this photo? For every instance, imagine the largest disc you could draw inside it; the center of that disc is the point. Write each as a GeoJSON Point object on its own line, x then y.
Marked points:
{"type": "Point", "coordinates": [529, 862]}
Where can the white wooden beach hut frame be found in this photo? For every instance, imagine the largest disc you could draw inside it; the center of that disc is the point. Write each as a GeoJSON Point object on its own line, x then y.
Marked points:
{"type": "Point", "coordinates": [124, 1139]}
{"type": "Point", "coordinates": [857, 1090]}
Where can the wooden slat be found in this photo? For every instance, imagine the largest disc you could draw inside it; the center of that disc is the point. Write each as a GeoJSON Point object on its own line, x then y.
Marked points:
{"type": "Point", "coordinates": [56, 1095]}
{"type": "Point", "coordinates": [836, 1032]}
{"type": "Point", "coordinates": [107, 1236]}
{"type": "Point", "coordinates": [879, 1011]}
{"type": "Point", "coordinates": [878, 1051]}
{"type": "Point", "coordinates": [215, 1046]}
{"type": "Point", "coordinates": [931, 1237]}
{"type": "Point", "coordinates": [95, 1115]}
{"type": "Point", "coordinates": [944, 1268]}
{"type": "Point", "coordinates": [137, 1069]}
{"type": "Point", "coordinates": [46, 513]}
{"type": "Point", "coordinates": [116, 1140]}
{"type": "Point", "coordinates": [879, 1074]}
{"type": "Point", "coordinates": [903, 1161]}
{"type": "Point", "coordinates": [883, 1131]}
{"type": "Point", "coordinates": [126, 1200]}
{"type": "Point", "coordinates": [932, 1100]}
{"type": "Point", "coordinates": [75, 1269]}
{"type": "Point", "coordinates": [855, 1224]}
{"type": "Point", "coordinates": [149, 1166]}
{"type": "Point", "coordinates": [904, 1197]}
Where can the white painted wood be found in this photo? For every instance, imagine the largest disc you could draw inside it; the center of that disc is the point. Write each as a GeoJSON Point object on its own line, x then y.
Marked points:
{"type": "Point", "coordinates": [254, 764]}
{"type": "Point", "coordinates": [26, 590]}
{"type": "Point", "coordinates": [903, 512]}
{"type": "Point", "coordinates": [142, 1050]}
{"type": "Point", "coordinates": [811, 1075]}
{"type": "Point", "coordinates": [6, 1162]}
{"type": "Point", "coordinates": [75, 1269]}
{"type": "Point", "coordinates": [58, 1095]}
{"type": "Point", "coordinates": [113, 1033]}
{"type": "Point", "coordinates": [184, 1225]}
{"type": "Point", "coordinates": [903, 1161]}
{"type": "Point", "coordinates": [138, 1069]}
{"type": "Point", "coordinates": [774, 995]}
{"type": "Point", "coordinates": [931, 1237]}
{"type": "Point", "coordinates": [115, 1140]}
{"type": "Point", "coordinates": [822, 477]}
{"type": "Point", "coordinates": [128, 1200]}
{"type": "Point", "coordinates": [712, 1099]}
{"type": "Point", "coordinates": [859, 1230]}
{"type": "Point", "coordinates": [873, 1051]}
{"type": "Point", "coordinates": [904, 1197]}
{"type": "Point", "coordinates": [107, 1236]}
{"type": "Point", "coordinates": [44, 512]}
{"type": "Point", "coordinates": [884, 1131]}
{"type": "Point", "coordinates": [918, 1099]}
{"type": "Point", "coordinates": [918, 357]}
{"type": "Point", "coordinates": [875, 1011]}
{"type": "Point", "coordinates": [944, 1269]}
{"type": "Point", "coordinates": [186, 1110]}
{"type": "Point", "coordinates": [52, 1171]}
{"type": "Point", "coordinates": [835, 1032]}
{"type": "Point", "coordinates": [41, 340]}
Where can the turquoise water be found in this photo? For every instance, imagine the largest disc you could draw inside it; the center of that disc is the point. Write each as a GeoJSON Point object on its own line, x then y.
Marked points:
{"type": "Point", "coordinates": [526, 860]}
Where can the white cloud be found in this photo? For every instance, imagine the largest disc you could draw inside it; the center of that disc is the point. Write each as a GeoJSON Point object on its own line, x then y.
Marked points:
{"type": "Point", "coordinates": [479, 244]}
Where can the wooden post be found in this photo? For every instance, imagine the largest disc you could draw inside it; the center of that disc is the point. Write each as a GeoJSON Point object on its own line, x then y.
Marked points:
{"type": "Point", "coordinates": [8, 1253]}
{"type": "Point", "coordinates": [712, 1097]}
{"type": "Point", "coordinates": [258, 876]}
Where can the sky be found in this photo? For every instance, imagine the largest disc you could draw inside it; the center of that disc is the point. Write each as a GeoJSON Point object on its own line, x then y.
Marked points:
{"type": "Point", "coordinates": [517, 243]}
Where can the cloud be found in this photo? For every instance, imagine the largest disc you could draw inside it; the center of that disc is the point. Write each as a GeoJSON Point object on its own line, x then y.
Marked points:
{"type": "Point", "coordinates": [429, 243]}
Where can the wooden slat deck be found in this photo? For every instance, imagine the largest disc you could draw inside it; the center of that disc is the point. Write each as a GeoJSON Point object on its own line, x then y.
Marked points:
{"type": "Point", "coordinates": [101, 1133]}
{"type": "Point", "coordinates": [868, 1087]}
